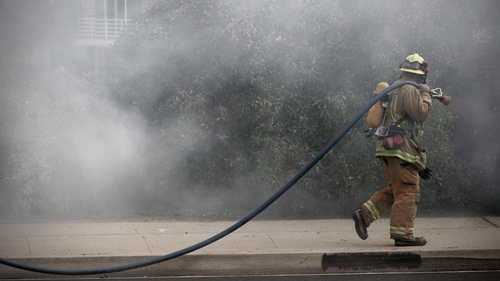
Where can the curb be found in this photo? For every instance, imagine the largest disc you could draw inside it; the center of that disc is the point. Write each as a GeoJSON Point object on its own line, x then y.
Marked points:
{"type": "Point", "coordinates": [271, 264]}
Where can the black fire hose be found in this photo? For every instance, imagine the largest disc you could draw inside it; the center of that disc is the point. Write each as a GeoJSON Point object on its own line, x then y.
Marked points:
{"type": "Point", "coordinates": [231, 228]}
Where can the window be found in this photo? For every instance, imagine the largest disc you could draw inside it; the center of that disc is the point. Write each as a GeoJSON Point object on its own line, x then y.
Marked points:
{"type": "Point", "coordinates": [117, 9]}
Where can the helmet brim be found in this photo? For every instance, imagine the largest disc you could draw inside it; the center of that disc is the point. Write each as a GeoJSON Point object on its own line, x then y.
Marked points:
{"type": "Point", "coordinates": [416, 71]}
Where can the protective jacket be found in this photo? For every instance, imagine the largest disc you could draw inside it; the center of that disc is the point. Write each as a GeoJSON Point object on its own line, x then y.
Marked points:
{"type": "Point", "coordinates": [417, 105]}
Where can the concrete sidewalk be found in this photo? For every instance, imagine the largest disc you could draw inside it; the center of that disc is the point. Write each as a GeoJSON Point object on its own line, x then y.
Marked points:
{"type": "Point", "coordinates": [259, 247]}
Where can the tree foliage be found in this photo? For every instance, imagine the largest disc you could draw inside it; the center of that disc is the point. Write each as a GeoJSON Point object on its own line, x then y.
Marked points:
{"type": "Point", "coordinates": [247, 92]}
{"type": "Point", "coordinates": [240, 95]}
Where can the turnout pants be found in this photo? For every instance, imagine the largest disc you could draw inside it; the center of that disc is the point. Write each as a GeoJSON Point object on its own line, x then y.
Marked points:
{"type": "Point", "coordinates": [402, 195]}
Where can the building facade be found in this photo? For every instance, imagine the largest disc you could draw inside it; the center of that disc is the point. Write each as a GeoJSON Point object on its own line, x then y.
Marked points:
{"type": "Point", "coordinates": [100, 22]}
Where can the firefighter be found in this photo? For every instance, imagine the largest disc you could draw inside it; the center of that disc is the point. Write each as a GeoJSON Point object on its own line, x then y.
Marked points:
{"type": "Point", "coordinates": [402, 158]}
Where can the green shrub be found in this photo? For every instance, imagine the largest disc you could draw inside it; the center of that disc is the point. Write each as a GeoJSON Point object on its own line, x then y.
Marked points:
{"type": "Point", "coordinates": [252, 91]}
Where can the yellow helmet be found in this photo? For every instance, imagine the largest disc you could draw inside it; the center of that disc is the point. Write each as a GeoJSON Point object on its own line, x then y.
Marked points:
{"type": "Point", "coordinates": [415, 64]}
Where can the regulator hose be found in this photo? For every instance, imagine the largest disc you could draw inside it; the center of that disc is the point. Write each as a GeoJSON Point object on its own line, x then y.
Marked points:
{"type": "Point", "coordinates": [232, 228]}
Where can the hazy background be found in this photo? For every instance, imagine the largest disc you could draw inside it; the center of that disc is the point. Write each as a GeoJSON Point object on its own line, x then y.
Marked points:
{"type": "Point", "coordinates": [214, 111]}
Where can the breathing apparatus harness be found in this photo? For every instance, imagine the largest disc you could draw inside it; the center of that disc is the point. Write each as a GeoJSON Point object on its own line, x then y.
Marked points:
{"type": "Point", "coordinates": [392, 136]}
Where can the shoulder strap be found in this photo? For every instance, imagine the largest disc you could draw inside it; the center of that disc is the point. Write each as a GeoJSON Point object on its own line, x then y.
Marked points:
{"type": "Point", "coordinates": [401, 120]}
{"type": "Point", "coordinates": [385, 104]}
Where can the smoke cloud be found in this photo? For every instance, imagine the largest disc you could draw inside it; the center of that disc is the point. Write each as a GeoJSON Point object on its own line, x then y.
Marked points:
{"type": "Point", "coordinates": [69, 143]}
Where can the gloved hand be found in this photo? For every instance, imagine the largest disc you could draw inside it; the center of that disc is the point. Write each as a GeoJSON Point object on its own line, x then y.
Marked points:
{"type": "Point", "coordinates": [423, 88]}
{"type": "Point", "coordinates": [425, 174]}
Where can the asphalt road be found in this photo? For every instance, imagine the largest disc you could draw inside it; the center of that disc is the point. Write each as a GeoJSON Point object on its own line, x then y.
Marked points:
{"type": "Point", "coordinates": [412, 276]}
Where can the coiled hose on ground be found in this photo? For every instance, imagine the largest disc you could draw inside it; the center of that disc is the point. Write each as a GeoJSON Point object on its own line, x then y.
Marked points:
{"type": "Point", "coordinates": [232, 228]}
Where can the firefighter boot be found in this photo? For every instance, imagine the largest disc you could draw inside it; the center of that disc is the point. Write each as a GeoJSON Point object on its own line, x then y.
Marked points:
{"type": "Point", "coordinates": [417, 241]}
{"type": "Point", "coordinates": [361, 223]}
